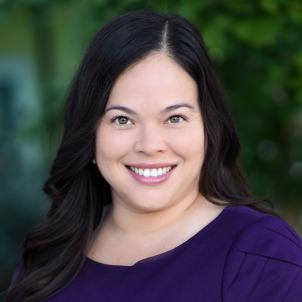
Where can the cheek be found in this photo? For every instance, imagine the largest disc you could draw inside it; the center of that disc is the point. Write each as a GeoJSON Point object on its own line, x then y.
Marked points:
{"type": "Point", "coordinates": [110, 148]}
{"type": "Point", "coordinates": [189, 143]}
{"type": "Point", "coordinates": [111, 145]}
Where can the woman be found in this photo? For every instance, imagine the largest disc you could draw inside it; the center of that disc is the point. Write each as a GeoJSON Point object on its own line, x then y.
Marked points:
{"type": "Point", "coordinates": [148, 199]}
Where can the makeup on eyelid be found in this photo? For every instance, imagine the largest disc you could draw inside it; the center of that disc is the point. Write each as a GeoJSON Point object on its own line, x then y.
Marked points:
{"type": "Point", "coordinates": [112, 120]}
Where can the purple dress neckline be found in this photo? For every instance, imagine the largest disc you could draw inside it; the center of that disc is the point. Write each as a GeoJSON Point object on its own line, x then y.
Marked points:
{"type": "Point", "coordinates": [146, 261]}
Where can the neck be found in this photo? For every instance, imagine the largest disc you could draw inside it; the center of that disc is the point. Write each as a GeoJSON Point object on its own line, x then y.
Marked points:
{"type": "Point", "coordinates": [127, 222]}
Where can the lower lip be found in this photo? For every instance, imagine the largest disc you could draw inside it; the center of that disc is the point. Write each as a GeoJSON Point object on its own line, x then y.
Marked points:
{"type": "Point", "coordinates": [151, 180]}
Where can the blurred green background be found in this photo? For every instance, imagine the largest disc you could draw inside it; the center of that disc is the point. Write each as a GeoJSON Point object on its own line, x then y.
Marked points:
{"type": "Point", "coordinates": [256, 47]}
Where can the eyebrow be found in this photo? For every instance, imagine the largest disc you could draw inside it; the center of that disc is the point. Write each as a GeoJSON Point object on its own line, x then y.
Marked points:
{"type": "Point", "coordinates": [167, 109]}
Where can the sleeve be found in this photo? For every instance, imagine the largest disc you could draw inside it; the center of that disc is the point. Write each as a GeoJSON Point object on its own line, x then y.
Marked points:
{"type": "Point", "coordinates": [264, 263]}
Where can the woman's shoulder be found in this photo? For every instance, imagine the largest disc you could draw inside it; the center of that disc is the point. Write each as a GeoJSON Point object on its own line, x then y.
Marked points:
{"type": "Point", "coordinates": [262, 230]}
{"type": "Point", "coordinates": [266, 255]}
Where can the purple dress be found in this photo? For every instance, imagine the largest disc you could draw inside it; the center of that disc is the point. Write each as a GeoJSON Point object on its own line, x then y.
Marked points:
{"type": "Point", "coordinates": [243, 255]}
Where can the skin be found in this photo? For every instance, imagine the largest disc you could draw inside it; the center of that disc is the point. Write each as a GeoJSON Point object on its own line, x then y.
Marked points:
{"type": "Point", "coordinates": [148, 219]}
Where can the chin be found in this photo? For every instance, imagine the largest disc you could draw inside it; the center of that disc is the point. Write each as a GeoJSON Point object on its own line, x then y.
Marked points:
{"type": "Point", "coordinates": [149, 207]}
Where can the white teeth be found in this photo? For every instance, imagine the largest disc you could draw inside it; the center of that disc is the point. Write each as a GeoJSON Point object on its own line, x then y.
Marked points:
{"type": "Point", "coordinates": [151, 172]}
{"type": "Point", "coordinates": [147, 173]}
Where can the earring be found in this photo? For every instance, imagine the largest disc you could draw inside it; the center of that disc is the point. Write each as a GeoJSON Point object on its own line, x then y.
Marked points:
{"type": "Point", "coordinates": [94, 161]}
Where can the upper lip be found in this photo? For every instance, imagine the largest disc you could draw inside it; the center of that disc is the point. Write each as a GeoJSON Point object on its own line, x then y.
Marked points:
{"type": "Point", "coordinates": [150, 166]}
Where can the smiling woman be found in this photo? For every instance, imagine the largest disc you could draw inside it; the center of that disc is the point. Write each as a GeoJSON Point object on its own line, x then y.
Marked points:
{"type": "Point", "coordinates": [148, 199]}
{"type": "Point", "coordinates": [156, 132]}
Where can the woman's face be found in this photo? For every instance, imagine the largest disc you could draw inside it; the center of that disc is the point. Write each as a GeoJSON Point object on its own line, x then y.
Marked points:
{"type": "Point", "coordinates": [150, 130]}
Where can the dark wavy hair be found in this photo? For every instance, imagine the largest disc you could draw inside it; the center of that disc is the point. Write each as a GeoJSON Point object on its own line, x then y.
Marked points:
{"type": "Point", "coordinates": [53, 252]}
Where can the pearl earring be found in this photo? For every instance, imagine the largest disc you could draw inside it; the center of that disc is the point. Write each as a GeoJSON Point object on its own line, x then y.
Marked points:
{"type": "Point", "coordinates": [94, 161]}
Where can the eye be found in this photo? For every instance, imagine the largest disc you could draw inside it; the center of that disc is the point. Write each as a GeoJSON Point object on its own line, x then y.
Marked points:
{"type": "Point", "coordinates": [122, 120]}
{"type": "Point", "coordinates": [176, 118]}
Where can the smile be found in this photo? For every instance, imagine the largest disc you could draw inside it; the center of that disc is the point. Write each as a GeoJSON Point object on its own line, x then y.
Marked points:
{"type": "Point", "coordinates": [151, 176]}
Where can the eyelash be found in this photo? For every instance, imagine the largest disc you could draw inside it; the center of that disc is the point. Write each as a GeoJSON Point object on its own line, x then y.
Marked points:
{"type": "Point", "coordinates": [122, 116]}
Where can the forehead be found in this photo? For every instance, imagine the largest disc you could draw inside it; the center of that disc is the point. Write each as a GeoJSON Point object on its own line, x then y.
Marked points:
{"type": "Point", "coordinates": [155, 81]}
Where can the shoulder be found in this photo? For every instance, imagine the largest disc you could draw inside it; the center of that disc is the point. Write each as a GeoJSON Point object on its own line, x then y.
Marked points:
{"type": "Point", "coordinates": [264, 260]}
{"type": "Point", "coordinates": [16, 272]}
{"type": "Point", "coordinates": [266, 235]}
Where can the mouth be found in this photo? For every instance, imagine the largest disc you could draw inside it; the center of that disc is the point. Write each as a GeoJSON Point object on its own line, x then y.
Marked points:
{"type": "Point", "coordinates": [143, 170]}
{"type": "Point", "coordinates": [151, 176]}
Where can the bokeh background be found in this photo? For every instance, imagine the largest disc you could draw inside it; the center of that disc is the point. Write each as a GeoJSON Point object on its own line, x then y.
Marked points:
{"type": "Point", "coordinates": [256, 47]}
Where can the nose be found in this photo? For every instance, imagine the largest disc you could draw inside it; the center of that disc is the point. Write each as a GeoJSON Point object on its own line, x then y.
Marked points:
{"type": "Point", "coordinates": [150, 140]}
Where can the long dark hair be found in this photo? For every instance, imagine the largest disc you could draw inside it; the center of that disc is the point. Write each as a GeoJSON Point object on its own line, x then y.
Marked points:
{"type": "Point", "coordinates": [54, 251]}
